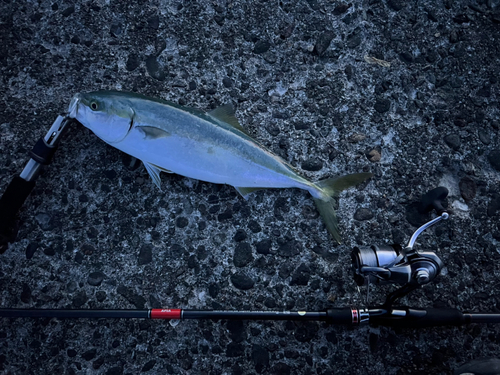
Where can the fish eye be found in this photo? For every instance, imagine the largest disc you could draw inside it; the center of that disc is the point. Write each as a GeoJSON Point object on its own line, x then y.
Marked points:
{"type": "Point", "coordinates": [94, 106]}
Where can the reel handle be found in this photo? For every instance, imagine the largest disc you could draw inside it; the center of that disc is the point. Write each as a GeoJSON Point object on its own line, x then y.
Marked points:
{"type": "Point", "coordinates": [21, 186]}
{"type": "Point", "coordinates": [433, 200]}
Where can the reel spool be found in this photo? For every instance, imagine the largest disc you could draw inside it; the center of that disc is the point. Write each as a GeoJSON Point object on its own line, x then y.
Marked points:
{"type": "Point", "coordinates": [390, 265]}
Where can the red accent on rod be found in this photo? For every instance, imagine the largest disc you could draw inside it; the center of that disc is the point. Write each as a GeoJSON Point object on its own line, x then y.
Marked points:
{"type": "Point", "coordinates": [166, 313]}
{"type": "Point", "coordinates": [355, 316]}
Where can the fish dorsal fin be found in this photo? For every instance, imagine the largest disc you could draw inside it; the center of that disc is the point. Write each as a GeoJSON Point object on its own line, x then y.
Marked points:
{"type": "Point", "coordinates": [226, 114]}
{"type": "Point", "coordinates": [194, 111]}
{"type": "Point", "coordinates": [154, 173]}
{"type": "Point", "coordinates": [152, 132]}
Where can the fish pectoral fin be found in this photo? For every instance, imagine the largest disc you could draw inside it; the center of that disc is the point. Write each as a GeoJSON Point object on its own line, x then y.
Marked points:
{"type": "Point", "coordinates": [246, 191]}
{"type": "Point", "coordinates": [226, 114]}
{"type": "Point", "coordinates": [154, 172]}
{"type": "Point", "coordinates": [152, 132]}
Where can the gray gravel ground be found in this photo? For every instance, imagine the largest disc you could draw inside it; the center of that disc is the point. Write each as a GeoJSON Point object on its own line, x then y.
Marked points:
{"type": "Point", "coordinates": [96, 232]}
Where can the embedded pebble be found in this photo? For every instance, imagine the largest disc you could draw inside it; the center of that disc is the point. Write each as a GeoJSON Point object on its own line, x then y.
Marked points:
{"type": "Point", "coordinates": [396, 5]}
{"type": "Point", "coordinates": [341, 8]}
{"type": "Point", "coordinates": [494, 159]}
{"type": "Point", "coordinates": [363, 214]}
{"type": "Point", "coordinates": [181, 222]}
{"type": "Point", "coordinates": [382, 105]}
{"type": "Point", "coordinates": [261, 46]}
{"type": "Point", "coordinates": [133, 62]}
{"type": "Point", "coordinates": [312, 165]}
{"type": "Point", "coordinates": [26, 293]}
{"type": "Point", "coordinates": [467, 188]}
{"type": "Point", "coordinates": [264, 246]}
{"type": "Point", "coordinates": [354, 39]}
{"type": "Point", "coordinates": [240, 235]}
{"type": "Point", "coordinates": [116, 30]}
{"type": "Point", "coordinates": [44, 220]}
{"type": "Point", "coordinates": [254, 226]}
{"type": "Point", "coordinates": [356, 137]}
{"type": "Point", "coordinates": [68, 11]}
{"type": "Point", "coordinates": [323, 42]}
{"type": "Point", "coordinates": [145, 254]}
{"type": "Point", "coordinates": [289, 248]}
{"type": "Point", "coordinates": [301, 275]}
{"type": "Point", "coordinates": [484, 136]}
{"type": "Point", "coordinates": [242, 254]}
{"type": "Point", "coordinates": [453, 141]}
{"type": "Point", "coordinates": [154, 69]}
{"type": "Point", "coordinates": [374, 156]}
{"type": "Point", "coordinates": [242, 281]}
{"type": "Point", "coordinates": [89, 354]}
{"type": "Point", "coordinates": [31, 249]}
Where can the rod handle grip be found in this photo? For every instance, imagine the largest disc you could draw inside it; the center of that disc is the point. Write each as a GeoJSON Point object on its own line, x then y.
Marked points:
{"type": "Point", "coordinates": [416, 318]}
{"type": "Point", "coordinates": [10, 203]}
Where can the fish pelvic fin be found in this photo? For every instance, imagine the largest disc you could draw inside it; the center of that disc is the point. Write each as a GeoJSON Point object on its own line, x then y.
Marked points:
{"type": "Point", "coordinates": [330, 189]}
{"type": "Point", "coordinates": [154, 173]}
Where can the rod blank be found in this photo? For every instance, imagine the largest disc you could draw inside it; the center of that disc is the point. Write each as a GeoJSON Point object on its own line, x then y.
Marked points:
{"type": "Point", "coordinates": [408, 318]}
{"type": "Point", "coordinates": [68, 313]}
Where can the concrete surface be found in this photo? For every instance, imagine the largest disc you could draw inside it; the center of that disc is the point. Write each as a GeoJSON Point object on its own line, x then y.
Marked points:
{"type": "Point", "coordinates": [310, 82]}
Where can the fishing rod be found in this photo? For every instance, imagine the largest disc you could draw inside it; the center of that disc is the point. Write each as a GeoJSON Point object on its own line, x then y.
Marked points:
{"type": "Point", "coordinates": [350, 316]}
{"type": "Point", "coordinates": [377, 264]}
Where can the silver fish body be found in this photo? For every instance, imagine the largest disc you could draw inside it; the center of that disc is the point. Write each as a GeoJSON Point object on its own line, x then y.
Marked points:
{"type": "Point", "coordinates": [210, 147]}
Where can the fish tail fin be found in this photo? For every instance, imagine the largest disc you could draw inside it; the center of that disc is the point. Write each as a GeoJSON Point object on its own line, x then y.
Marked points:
{"type": "Point", "coordinates": [330, 189]}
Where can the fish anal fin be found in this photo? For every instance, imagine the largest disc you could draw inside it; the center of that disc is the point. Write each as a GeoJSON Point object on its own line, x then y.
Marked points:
{"type": "Point", "coordinates": [152, 132]}
{"type": "Point", "coordinates": [246, 191]}
{"type": "Point", "coordinates": [226, 114]}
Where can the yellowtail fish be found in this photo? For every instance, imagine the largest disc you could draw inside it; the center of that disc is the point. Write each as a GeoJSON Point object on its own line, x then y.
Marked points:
{"type": "Point", "coordinates": [211, 146]}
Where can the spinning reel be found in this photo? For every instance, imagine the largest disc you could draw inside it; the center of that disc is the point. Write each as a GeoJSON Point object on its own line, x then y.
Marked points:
{"type": "Point", "coordinates": [392, 264]}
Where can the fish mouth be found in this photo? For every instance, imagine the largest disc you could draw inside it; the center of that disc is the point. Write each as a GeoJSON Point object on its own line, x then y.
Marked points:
{"type": "Point", "coordinates": [73, 106]}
